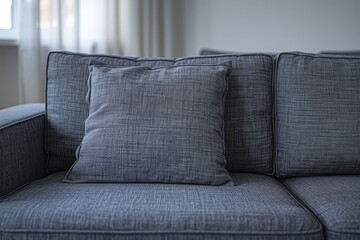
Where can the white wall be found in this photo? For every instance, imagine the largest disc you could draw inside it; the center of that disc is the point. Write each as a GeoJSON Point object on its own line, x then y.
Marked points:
{"type": "Point", "coordinates": [9, 93]}
{"type": "Point", "coordinates": [239, 25]}
{"type": "Point", "coordinates": [272, 25]}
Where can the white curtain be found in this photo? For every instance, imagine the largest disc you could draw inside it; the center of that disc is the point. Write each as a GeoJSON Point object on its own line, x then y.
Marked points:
{"type": "Point", "coordinates": [152, 28]}
{"type": "Point", "coordinates": [127, 27]}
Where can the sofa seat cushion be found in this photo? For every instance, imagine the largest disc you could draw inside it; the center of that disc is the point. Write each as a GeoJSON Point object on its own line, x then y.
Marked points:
{"type": "Point", "coordinates": [257, 208]}
{"type": "Point", "coordinates": [335, 200]}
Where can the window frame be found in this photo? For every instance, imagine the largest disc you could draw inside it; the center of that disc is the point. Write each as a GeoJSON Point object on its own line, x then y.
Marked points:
{"type": "Point", "coordinates": [11, 35]}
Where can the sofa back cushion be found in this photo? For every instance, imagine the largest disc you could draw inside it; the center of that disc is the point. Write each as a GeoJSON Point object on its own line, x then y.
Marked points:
{"type": "Point", "coordinates": [209, 51]}
{"type": "Point", "coordinates": [248, 109]}
{"type": "Point", "coordinates": [344, 53]}
{"type": "Point", "coordinates": [317, 112]}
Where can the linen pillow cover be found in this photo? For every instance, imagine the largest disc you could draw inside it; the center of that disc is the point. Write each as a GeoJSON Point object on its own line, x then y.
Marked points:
{"type": "Point", "coordinates": [154, 125]}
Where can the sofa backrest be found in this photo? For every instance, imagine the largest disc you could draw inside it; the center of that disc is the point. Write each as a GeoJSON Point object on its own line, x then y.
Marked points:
{"type": "Point", "coordinates": [317, 114]}
{"type": "Point", "coordinates": [209, 51]}
{"type": "Point", "coordinates": [248, 113]}
{"type": "Point", "coordinates": [344, 53]}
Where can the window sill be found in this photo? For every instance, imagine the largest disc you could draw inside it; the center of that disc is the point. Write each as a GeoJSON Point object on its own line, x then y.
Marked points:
{"type": "Point", "coordinates": [8, 43]}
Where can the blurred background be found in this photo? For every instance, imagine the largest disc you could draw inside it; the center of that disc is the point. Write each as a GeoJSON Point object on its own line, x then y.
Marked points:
{"type": "Point", "coordinates": [29, 29]}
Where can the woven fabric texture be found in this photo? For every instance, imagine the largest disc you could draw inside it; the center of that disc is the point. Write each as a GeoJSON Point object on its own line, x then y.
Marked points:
{"type": "Point", "coordinates": [248, 110]}
{"type": "Point", "coordinates": [335, 200]}
{"type": "Point", "coordinates": [317, 115]}
{"type": "Point", "coordinates": [344, 53]}
{"type": "Point", "coordinates": [208, 51]}
{"type": "Point", "coordinates": [257, 208]}
{"type": "Point", "coordinates": [22, 152]}
{"type": "Point", "coordinates": [154, 125]}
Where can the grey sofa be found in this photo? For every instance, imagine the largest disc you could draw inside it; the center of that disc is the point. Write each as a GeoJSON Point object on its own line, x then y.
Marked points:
{"type": "Point", "coordinates": [292, 142]}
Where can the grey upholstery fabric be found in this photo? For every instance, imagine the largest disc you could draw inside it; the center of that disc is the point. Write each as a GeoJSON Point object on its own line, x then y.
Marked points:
{"type": "Point", "coordinates": [317, 115]}
{"type": "Point", "coordinates": [154, 125]}
{"type": "Point", "coordinates": [335, 200]}
{"type": "Point", "coordinates": [248, 111]}
{"type": "Point", "coordinates": [257, 208]}
{"type": "Point", "coordinates": [344, 53]}
{"type": "Point", "coordinates": [208, 51]}
{"type": "Point", "coordinates": [17, 114]}
{"type": "Point", "coordinates": [22, 154]}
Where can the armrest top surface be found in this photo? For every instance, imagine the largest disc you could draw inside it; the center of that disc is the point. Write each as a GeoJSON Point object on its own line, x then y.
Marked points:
{"type": "Point", "coordinates": [12, 115]}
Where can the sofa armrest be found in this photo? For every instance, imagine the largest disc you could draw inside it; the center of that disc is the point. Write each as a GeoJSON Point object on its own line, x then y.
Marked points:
{"type": "Point", "coordinates": [22, 152]}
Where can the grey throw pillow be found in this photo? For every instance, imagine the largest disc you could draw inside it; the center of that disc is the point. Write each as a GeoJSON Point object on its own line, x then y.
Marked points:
{"type": "Point", "coordinates": [154, 125]}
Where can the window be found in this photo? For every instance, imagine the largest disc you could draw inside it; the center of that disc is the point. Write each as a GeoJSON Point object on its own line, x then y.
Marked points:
{"type": "Point", "coordinates": [8, 20]}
